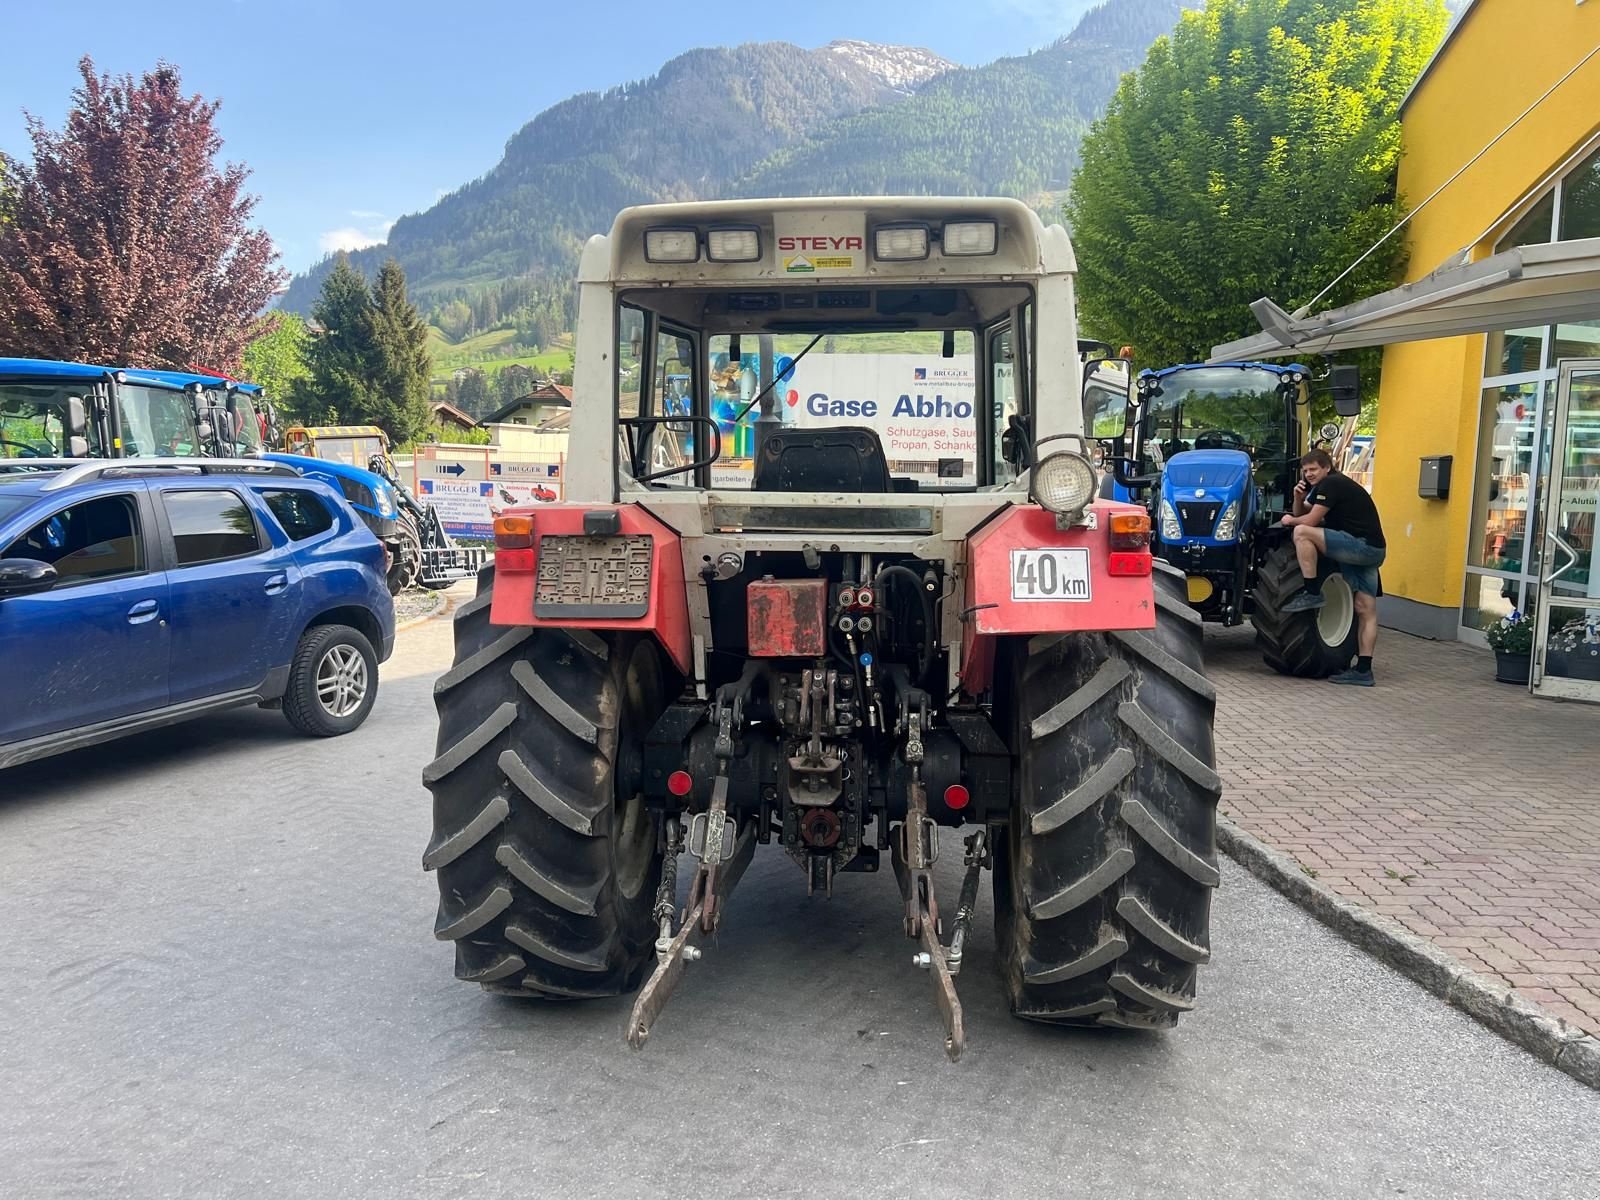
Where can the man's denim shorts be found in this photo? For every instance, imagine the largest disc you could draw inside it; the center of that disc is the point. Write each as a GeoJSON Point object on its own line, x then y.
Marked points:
{"type": "Point", "coordinates": [1358, 562]}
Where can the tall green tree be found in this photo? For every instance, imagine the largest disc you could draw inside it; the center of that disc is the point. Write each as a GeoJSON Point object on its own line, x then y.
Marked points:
{"type": "Point", "coordinates": [369, 362]}
{"type": "Point", "coordinates": [400, 346]}
{"type": "Point", "coordinates": [341, 362]}
{"type": "Point", "coordinates": [1253, 154]}
{"type": "Point", "coordinates": [276, 359]}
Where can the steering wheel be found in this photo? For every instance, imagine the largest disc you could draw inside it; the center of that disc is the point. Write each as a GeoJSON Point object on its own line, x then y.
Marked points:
{"type": "Point", "coordinates": [1220, 439]}
{"type": "Point", "coordinates": [28, 451]}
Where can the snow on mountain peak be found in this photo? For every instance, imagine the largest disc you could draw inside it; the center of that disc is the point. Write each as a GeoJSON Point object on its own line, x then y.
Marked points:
{"type": "Point", "coordinates": [902, 68]}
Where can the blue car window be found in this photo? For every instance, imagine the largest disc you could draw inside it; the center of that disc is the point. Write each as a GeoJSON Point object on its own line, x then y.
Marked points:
{"type": "Point", "coordinates": [97, 539]}
{"type": "Point", "coordinates": [210, 525]}
{"type": "Point", "coordinates": [301, 514]}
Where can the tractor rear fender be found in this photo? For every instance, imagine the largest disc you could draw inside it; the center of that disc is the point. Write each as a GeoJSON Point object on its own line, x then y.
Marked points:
{"type": "Point", "coordinates": [598, 584]}
{"type": "Point", "coordinates": [1012, 591]}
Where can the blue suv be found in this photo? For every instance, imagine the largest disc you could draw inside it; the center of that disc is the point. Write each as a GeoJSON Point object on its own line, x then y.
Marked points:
{"type": "Point", "coordinates": [136, 594]}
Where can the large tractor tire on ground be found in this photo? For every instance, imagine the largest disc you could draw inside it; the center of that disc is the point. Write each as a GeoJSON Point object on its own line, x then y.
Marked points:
{"type": "Point", "coordinates": [1103, 887]}
{"type": "Point", "coordinates": [1308, 644]}
{"type": "Point", "coordinates": [405, 554]}
{"type": "Point", "coordinates": [546, 856]}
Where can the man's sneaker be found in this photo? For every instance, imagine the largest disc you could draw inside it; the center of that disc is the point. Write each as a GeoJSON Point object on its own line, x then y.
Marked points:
{"type": "Point", "coordinates": [1353, 677]}
{"type": "Point", "coordinates": [1303, 601]}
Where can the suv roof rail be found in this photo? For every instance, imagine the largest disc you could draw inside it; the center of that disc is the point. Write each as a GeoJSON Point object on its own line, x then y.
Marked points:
{"type": "Point", "coordinates": [78, 470]}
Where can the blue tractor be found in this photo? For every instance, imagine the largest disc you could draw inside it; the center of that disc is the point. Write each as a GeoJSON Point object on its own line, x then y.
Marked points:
{"type": "Point", "coordinates": [54, 409]}
{"type": "Point", "coordinates": [1215, 452]}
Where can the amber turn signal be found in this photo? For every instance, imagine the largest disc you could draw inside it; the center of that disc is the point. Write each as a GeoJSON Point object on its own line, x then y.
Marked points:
{"type": "Point", "coordinates": [513, 532]}
{"type": "Point", "coordinates": [1130, 531]}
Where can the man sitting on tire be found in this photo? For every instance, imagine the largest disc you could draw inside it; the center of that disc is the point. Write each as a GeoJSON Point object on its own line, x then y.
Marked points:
{"type": "Point", "coordinates": [1334, 516]}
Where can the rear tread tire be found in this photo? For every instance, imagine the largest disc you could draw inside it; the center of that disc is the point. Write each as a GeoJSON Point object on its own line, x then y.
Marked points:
{"type": "Point", "coordinates": [1291, 643]}
{"type": "Point", "coordinates": [1103, 888]}
{"type": "Point", "coordinates": [525, 838]}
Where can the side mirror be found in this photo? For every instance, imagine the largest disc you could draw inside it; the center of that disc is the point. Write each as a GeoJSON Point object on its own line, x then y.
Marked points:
{"type": "Point", "coordinates": [77, 422]}
{"type": "Point", "coordinates": [1105, 408]}
{"type": "Point", "coordinates": [23, 576]}
{"type": "Point", "coordinates": [77, 446]}
{"type": "Point", "coordinates": [1345, 384]}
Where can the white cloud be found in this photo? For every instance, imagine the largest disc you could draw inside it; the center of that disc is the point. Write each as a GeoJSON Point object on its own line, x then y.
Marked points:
{"type": "Point", "coordinates": [373, 228]}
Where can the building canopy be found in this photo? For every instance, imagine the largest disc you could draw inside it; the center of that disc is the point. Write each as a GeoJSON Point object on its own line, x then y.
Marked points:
{"type": "Point", "coordinates": [1543, 284]}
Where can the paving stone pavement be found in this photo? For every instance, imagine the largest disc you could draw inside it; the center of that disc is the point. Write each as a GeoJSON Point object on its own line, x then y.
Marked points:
{"type": "Point", "coordinates": [1464, 809]}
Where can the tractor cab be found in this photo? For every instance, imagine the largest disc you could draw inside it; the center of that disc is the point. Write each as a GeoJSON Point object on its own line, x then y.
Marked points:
{"type": "Point", "coordinates": [76, 410]}
{"type": "Point", "coordinates": [352, 445]}
{"type": "Point", "coordinates": [235, 418]}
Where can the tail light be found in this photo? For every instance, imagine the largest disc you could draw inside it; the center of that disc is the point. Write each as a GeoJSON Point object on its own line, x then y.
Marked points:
{"type": "Point", "coordinates": [513, 543]}
{"type": "Point", "coordinates": [1130, 545]}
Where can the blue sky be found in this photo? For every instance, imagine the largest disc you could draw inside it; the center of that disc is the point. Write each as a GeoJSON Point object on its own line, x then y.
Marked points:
{"type": "Point", "coordinates": [351, 114]}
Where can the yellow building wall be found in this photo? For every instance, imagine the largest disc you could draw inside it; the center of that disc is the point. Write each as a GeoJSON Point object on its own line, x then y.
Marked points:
{"type": "Point", "coordinates": [1501, 58]}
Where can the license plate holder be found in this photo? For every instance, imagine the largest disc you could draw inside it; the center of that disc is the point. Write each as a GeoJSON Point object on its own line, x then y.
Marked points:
{"type": "Point", "coordinates": [588, 578]}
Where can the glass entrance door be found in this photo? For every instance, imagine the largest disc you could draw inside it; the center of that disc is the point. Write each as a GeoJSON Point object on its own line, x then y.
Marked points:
{"type": "Point", "coordinates": [1566, 643]}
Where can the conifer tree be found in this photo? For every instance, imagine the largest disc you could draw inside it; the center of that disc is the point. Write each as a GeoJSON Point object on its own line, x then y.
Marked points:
{"type": "Point", "coordinates": [400, 392]}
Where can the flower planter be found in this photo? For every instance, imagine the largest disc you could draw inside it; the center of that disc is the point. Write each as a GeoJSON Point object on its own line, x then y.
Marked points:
{"type": "Point", "coordinates": [1512, 668]}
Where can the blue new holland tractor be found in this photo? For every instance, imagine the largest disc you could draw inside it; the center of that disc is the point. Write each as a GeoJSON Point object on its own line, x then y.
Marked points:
{"type": "Point", "coordinates": [1214, 450]}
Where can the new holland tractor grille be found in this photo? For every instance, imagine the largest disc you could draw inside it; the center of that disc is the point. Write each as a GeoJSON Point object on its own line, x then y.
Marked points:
{"type": "Point", "coordinates": [1198, 519]}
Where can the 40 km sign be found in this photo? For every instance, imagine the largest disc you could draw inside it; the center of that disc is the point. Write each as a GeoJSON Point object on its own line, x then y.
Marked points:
{"type": "Point", "coordinates": [1056, 574]}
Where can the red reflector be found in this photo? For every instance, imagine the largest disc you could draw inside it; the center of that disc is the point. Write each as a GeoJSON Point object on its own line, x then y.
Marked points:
{"type": "Point", "coordinates": [679, 783]}
{"type": "Point", "coordinates": [956, 796]}
{"type": "Point", "coordinates": [1128, 564]}
{"type": "Point", "coordinates": [511, 562]}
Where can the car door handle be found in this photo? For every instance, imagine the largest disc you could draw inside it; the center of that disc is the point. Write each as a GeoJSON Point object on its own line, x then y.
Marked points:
{"type": "Point", "coordinates": [145, 610]}
{"type": "Point", "coordinates": [276, 584]}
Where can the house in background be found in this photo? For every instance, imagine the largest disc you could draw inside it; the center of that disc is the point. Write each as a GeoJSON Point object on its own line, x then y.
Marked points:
{"type": "Point", "coordinates": [450, 416]}
{"type": "Point", "coordinates": [534, 408]}
{"type": "Point", "coordinates": [533, 423]}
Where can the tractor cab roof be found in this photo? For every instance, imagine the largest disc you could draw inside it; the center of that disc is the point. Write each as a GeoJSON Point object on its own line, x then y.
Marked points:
{"type": "Point", "coordinates": [336, 431]}
{"type": "Point", "coordinates": [1275, 368]}
{"type": "Point", "coordinates": [827, 241]}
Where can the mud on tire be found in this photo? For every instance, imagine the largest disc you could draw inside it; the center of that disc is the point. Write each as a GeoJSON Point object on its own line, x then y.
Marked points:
{"type": "Point", "coordinates": [1103, 889]}
{"type": "Point", "coordinates": [547, 867]}
{"type": "Point", "coordinates": [1301, 643]}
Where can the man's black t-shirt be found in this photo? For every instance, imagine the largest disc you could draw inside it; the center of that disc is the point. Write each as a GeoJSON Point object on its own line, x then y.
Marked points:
{"type": "Point", "coordinates": [1350, 509]}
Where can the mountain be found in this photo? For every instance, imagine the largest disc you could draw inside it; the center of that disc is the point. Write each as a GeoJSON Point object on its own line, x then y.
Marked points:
{"type": "Point", "coordinates": [705, 118]}
{"type": "Point", "coordinates": [1011, 127]}
{"type": "Point", "coordinates": [767, 119]}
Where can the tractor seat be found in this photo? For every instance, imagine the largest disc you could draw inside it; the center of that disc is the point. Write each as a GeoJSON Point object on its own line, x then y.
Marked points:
{"type": "Point", "coordinates": [842, 458]}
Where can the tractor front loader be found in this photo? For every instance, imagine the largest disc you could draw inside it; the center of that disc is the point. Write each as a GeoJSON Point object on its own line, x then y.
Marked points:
{"type": "Point", "coordinates": [830, 572]}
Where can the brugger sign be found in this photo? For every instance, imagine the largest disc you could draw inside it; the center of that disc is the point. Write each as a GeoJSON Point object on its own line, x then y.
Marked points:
{"type": "Point", "coordinates": [921, 406]}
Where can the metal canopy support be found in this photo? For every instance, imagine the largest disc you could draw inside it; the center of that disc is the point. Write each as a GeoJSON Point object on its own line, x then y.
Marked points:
{"type": "Point", "coordinates": [1542, 284]}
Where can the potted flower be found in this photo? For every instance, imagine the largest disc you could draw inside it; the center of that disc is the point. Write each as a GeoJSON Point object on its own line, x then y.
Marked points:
{"type": "Point", "coordinates": [1511, 639]}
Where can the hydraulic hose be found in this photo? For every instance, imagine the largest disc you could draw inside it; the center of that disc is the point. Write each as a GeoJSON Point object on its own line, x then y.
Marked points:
{"type": "Point", "coordinates": [926, 652]}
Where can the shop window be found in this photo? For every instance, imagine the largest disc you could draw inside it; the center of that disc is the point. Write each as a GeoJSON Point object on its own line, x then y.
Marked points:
{"type": "Point", "coordinates": [1535, 226]}
{"type": "Point", "coordinates": [1576, 339]}
{"type": "Point", "coordinates": [1580, 201]}
{"type": "Point", "coordinates": [1487, 599]}
{"type": "Point", "coordinates": [1506, 431]}
{"type": "Point", "coordinates": [1515, 351]}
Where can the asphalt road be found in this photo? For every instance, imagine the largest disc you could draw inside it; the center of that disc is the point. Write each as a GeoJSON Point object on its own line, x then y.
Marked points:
{"type": "Point", "coordinates": [219, 980]}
